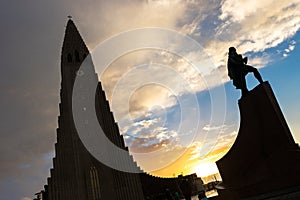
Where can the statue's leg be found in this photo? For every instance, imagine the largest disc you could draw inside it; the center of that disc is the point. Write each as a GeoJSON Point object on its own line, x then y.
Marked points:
{"type": "Point", "coordinates": [255, 72]}
{"type": "Point", "coordinates": [244, 92]}
{"type": "Point", "coordinates": [243, 85]}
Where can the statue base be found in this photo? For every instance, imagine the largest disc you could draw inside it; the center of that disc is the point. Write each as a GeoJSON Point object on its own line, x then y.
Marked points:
{"type": "Point", "coordinates": [264, 158]}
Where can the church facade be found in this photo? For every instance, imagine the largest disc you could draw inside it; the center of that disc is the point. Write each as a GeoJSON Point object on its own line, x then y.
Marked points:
{"type": "Point", "coordinates": [76, 174]}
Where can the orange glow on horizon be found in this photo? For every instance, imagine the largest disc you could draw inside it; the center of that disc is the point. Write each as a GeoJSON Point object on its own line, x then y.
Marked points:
{"type": "Point", "coordinates": [183, 165]}
{"type": "Point", "coordinates": [206, 169]}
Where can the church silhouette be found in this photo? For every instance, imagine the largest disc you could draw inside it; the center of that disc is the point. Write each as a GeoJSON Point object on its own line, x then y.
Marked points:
{"type": "Point", "coordinates": [76, 174]}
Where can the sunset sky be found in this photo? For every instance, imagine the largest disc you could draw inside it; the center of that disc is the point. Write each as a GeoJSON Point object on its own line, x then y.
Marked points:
{"type": "Point", "coordinates": [177, 117]}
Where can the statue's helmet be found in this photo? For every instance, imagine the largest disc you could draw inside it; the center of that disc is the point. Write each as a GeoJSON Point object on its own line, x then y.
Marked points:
{"type": "Point", "coordinates": [232, 49]}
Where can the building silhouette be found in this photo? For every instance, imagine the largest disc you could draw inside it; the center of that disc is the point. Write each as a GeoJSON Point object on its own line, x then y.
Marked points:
{"type": "Point", "coordinates": [264, 161]}
{"type": "Point", "coordinates": [76, 174]}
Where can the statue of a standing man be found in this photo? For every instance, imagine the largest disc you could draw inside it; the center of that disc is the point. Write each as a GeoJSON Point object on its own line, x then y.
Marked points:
{"type": "Point", "coordinates": [238, 69]}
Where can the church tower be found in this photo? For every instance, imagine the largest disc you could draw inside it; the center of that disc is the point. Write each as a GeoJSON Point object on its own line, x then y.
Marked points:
{"type": "Point", "coordinates": [76, 174]}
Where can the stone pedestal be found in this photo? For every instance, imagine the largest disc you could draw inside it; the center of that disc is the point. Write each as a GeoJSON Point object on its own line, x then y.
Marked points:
{"type": "Point", "coordinates": [264, 157]}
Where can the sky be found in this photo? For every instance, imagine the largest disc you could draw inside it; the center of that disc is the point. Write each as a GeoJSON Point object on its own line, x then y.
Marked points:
{"type": "Point", "coordinates": [159, 117]}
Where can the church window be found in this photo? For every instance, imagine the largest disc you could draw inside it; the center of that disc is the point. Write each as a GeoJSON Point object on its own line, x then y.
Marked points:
{"type": "Point", "coordinates": [77, 56]}
{"type": "Point", "coordinates": [95, 183]}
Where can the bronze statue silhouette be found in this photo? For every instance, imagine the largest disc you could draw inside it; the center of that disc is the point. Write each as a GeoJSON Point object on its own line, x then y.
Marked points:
{"type": "Point", "coordinates": [238, 69]}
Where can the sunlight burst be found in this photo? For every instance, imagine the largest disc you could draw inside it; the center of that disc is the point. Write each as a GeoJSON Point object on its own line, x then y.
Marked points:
{"type": "Point", "coordinates": [206, 169]}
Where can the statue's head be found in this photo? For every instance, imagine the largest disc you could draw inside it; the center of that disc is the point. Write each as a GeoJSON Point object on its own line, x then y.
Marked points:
{"type": "Point", "coordinates": [232, 49]}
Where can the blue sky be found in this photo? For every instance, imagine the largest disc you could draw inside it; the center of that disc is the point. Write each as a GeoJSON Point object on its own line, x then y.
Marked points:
{"type": "Point", "coordinates": [32, 33]}
{"type": "Point", "coordinates": [284, 75]}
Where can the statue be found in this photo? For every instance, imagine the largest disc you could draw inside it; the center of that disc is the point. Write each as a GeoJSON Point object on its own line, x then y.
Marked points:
{"type": "Point", "coordinates": [238, 69]}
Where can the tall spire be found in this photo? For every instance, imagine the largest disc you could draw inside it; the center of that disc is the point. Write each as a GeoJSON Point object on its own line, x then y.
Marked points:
{"type": "Point", "coordinates": [73, 53]}
{"type": "Point", "coordinates": [73, 41]}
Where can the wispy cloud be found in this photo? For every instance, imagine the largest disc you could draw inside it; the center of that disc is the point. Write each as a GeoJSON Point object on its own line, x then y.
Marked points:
{"type": "Point", "coordinates": [259, 25]}
{"type": "Point", "coordinates": [289, 49]}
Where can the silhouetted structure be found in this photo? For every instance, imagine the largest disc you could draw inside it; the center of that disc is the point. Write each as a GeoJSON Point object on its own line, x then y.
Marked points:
{"type": "Point", "coordinates": [264, 161]}
{"type": "Point", "coordinates": [238, 69]}
{"type": "Point", "coordinates": [76, 174]}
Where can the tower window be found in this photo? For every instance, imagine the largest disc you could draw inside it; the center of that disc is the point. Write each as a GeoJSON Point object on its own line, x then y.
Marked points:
{"type": "Point", "coordinates": [69, 58]}
{"type": "Point", "coordinates": [95, 183]}
{"type": "Point", "coordinates": [77, 58]}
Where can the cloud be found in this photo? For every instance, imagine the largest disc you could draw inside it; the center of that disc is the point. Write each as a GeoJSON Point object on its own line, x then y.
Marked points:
{"type": "Point", "coordinates": [256, 26]}
{"type": "Point", "coordinates": [150, 139]}
{"type": "Point", "coordinates": [226, 140]}
{"type": "Point", "coordinates": [246, 9]}
{"type": "Point", "coordinates": [154, 141]}
{"type": "Point", "coordinates": [290, 48]}
{"type": "Point", "coordinates": [216, 137]}
{"type": "Point", "coordinates": [118, 16]}
{"type": "Point", "coordinates": [148, 135]}
{"type": "Point", "coordinates": [135, 86]}
{"type": "Point", "coordinates": [213, 128]}
{"type": "Point", "coordinates": [262, 25]}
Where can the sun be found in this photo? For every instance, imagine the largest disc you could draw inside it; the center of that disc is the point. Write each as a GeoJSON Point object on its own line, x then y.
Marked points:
{"type": "Point", "coordinates": [206, 169]}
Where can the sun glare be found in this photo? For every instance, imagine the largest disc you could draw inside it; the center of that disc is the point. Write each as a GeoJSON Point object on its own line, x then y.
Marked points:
{"type": "Point", "coordinates": [206, 169]}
